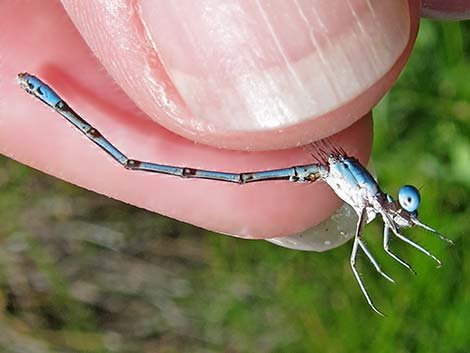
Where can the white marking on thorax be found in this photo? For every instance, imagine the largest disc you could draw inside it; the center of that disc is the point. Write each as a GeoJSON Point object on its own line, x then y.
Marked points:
{"type": "Point", "coordinates": [358, 196]}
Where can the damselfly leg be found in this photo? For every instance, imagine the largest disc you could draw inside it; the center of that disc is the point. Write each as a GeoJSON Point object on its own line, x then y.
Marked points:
{"type": "Point", "coordinates": [386, 244]}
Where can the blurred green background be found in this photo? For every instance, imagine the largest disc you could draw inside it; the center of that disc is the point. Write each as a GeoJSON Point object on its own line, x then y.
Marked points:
{"type": "Point", "coordinates": [83, 273]}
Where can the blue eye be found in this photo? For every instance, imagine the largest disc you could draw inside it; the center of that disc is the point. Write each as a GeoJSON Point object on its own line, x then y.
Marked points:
{"type": "Point", "coordinates": [409, 198]}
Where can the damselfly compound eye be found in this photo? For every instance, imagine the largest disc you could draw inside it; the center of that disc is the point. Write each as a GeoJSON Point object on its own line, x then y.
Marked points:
{"type": "Point", "coordinates": [409, 198]}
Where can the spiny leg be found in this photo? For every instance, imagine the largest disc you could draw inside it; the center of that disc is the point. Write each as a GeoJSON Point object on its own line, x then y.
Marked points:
{"type": "Point", "coordinates": [417, 246]}
{"type": "Point", "coordinates": [374, 261]}
{"type": "Point", "coordinates": [388, 251]}
{"type": "Point", "coordinates": [356, 244]}
{"type": "Point", "coordinates": [432, 230]}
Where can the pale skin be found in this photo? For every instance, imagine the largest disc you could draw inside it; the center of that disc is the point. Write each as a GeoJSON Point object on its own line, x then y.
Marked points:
{"type": "Point", "coordinates": [42, 39]}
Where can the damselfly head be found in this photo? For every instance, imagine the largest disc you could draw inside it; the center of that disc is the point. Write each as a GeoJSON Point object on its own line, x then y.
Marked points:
{"type": "Point", "coordinates": [406, 209]}
{"type": "Point", "coordinates": [409, 200]}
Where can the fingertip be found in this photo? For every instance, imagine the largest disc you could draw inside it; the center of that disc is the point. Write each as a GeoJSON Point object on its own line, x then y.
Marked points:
{"type": "Point", "coordinates": [446, 9]}
{"type": "Point", "coordinates": [214, 90]}
{"type": "Point", "coordinates": [252, 211]}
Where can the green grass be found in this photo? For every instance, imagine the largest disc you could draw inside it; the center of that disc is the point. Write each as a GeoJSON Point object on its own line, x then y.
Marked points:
{"type": "Point", "coordinates": [82, 273]}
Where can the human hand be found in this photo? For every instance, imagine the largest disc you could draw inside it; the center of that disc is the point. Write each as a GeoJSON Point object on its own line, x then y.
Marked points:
{"type": "Point", "coordinates": [209, 83]}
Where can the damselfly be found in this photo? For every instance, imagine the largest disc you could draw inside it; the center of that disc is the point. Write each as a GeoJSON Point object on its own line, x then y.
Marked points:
{"type": "Point", "coordinates": [344, 174]}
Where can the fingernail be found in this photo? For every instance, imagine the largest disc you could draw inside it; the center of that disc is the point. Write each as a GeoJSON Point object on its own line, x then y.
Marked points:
{"type": "Point", "coordinates": [329, 234]}
{"type": "Point", "coordinates": [259, 65]}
